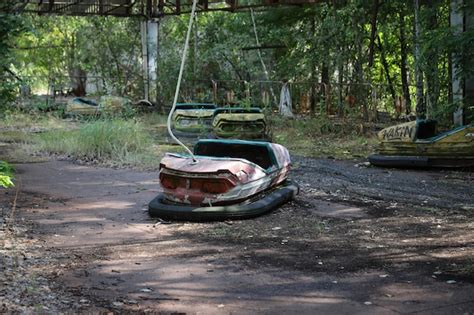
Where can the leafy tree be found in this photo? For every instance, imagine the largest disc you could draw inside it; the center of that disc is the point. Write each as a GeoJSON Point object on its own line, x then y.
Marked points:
{"type": "Point", "coordinates": [101, 50]}
{"type": "Point", "coordinates": [348, 49]}
{"type": "Point", "coordinates": [10, 27]}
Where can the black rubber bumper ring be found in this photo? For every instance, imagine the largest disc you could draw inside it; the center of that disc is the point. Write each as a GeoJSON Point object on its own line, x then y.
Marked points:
{"type": "Point", "coordinates": [421, 161]}
{"type": "Point", "coordinates": [269, 201]}
{"type": "Point", "coordinates": [399, 161]}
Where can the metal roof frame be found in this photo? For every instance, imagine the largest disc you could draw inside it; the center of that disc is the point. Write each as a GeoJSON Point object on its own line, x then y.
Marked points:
{"type": "Point", "coordinates": [143, 8]}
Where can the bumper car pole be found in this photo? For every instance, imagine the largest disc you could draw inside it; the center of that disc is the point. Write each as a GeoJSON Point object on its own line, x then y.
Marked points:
{"type": "Point", "coordinates": [178, 84]}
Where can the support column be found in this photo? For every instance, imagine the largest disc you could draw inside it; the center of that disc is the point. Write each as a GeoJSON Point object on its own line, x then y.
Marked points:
{"type": "Point", "coordinates": [149, 36]}
{"type": "Point", "coordinates": [457, 23]}
{"type": "Point", "coordinates": [146, 85]}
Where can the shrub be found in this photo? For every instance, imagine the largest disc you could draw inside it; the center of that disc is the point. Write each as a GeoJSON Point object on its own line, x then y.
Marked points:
{"type": "Point", "coordinates": [6, 172]}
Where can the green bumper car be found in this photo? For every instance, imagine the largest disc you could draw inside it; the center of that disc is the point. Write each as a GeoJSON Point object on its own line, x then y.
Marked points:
{"type": "Point", "coordinates": [239, 123]}
{"type": "Point", "coordinates": [193, 118]}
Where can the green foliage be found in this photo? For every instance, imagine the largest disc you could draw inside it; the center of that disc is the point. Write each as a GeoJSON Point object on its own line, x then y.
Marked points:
{"type": "Point", "coordinates": [330, 42]}
{"type": "Point", "coordinates": [11, 26]}
{"type": "Point", "coordinates": [106, 50]}
{"type": "Point", "coordinates": [245, 103]}
{"type": "Point", "coordinates": [6, 175]}
{"type": "Point", "coordinates": [322, 137]}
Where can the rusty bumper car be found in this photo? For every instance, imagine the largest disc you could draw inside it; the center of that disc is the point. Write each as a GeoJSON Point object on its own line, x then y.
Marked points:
{"type": "Point", "coordinates": [110, 105]}
{"type": "Point", "coordinates": [82, 107]}
{"type": "Point", "coordinates": [190, 119]}
{"type": "Point", "coordinates": [230, 179]}
{"type": "Point", "coordinates": [239, 123]}
{"type": "Point", "coordinates": [417, 144]}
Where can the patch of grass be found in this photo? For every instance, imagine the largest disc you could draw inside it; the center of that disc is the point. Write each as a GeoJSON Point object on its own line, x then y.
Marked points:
{"type": "Point", "coordinates": [141, 142]}
{"type": "Point", "coordinates": [98, 140]}
{"type": "Point", "coordinates": [113, 142]}
{"type": "Point", "coordinates": [153, 120]}
{"type": "Point", "coordinates": [15, 136]}
{"type": "Point", "coordinates": [12, 120]}
{"type": "Point", "coordinates": [322, 137]}
{"type": "Point", "coordinates": [20, 153]}
{"type": "Point", "coordinates": [155, 124]}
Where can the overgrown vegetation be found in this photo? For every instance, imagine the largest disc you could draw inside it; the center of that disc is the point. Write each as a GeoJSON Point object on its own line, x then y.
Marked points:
{"type": "Point", "coordinates": [140, 142]}
{"type": "Point", "coordinates": [111, 141]}
{"type": "Point", "coordinates": [6, 175]}
{"type": "Point", "coordinates": [323, 137]}
{"type": "Point", "coordinates": [101, 140]}
{"type": "Point", "coordinates": [11, 26]}
{"type": "Point", "coordinates": [336, 55]}
{"type": "Point", "coordinates": [14, 120]}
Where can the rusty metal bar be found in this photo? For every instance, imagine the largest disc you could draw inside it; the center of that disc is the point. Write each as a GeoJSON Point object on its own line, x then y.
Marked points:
{"type": "Point", "coordinates": [148, 8]}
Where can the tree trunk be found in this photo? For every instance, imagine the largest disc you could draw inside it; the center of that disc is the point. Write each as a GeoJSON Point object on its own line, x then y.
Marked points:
{"type": "Point", "coordinates": [340, 67]}
{"type": "Point", "coordinates": [325, 89]}
{"type": "Point", "coordinates": [340, 81]}
{"type": "Point", "coordinates": [360, 90]}
{"type": "Point", "coordinates": [403, 63]}
{"type": "Point", "coordinates": [373, 33]}
{"type": "Point", "coordinates": [387, 70]}
{"type": "Point", "coordinates": [313, 71]}
{"type": "Point", "coordinates": [420, 105]}
{"type": "Point", "coordinates": [457, 21]}
{"type": "Point", "coordinates": [79, 81]}
{"type": "Point", "coordinates": [78, 76]}
{"type": "Point", "coordinates": [432, 79]}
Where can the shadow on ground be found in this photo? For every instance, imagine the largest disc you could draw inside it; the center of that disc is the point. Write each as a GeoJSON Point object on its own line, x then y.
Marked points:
{"type": "Point", "coordinates": [356, 240]}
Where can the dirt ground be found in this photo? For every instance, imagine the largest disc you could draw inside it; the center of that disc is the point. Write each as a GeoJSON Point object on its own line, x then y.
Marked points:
{"type": "Point", "coordinates": [356, 240]}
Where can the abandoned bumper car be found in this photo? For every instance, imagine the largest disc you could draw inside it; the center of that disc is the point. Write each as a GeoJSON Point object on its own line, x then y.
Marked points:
{"type": "Point", "coordinates": [241, 123]}
{"type": "Point", "coordinates": [193, 118]}
{"type": "Point", "coordinates": [228, 179]}
{"type": "Point", "coordinates": [417, 144]}
{"type": "Point", "coordinates": [87, 107]}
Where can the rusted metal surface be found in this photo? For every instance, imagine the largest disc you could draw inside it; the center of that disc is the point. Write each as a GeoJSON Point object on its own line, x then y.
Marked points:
{"type": "Point", "coordinates": [232, 171]}
{"type": "Point", "coordinates": [80, 106]}
{"type": "Point", "coordinates": [404, 132]}
{"type": "Point", "coordinates": [88, 107]}
{"type": "Point", "coordinates": [193, 117]}
{"type": "Point", "coordinates": [144, 8]}
{"type": "Point", "coordinates": [239, 123]}
{"type": "Point", "coordinates": [419, 140]}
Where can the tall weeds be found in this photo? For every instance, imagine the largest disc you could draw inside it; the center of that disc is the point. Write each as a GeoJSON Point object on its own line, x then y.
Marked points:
{"type": "Point", "coordinates": [321, 137]}
{"type": "Point", "coordinates": [116, 140]}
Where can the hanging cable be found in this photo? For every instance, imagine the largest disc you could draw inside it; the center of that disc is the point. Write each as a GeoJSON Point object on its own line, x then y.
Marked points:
{"type": "Point", "coordinates": [178, 85]}
{"type": "Point", "coordinates": [265, 71]}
